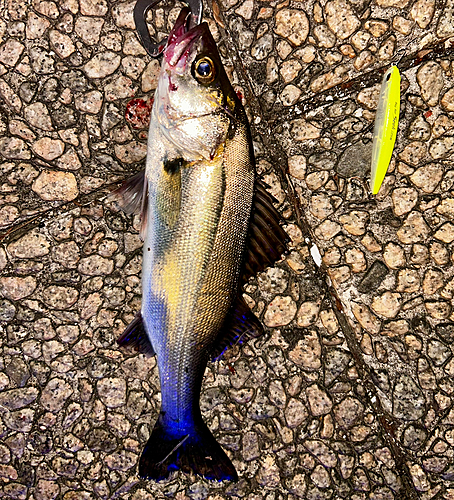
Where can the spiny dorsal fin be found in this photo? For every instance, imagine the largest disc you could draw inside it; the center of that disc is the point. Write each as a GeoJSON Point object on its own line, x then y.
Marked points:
{"type": "Point", "coordinates": [132, 198]}
{"type": "Point", "coordinates": [135, 336]}
{"type": "Point", "coordinates": [267, 240]}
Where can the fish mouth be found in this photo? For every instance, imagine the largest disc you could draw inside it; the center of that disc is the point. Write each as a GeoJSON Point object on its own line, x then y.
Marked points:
{"type": "Point", "coordinates": [182, 37]}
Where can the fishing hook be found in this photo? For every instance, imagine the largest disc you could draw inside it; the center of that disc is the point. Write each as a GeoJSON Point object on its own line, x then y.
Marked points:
{"type": "Point", "coordinates": [140, 14]}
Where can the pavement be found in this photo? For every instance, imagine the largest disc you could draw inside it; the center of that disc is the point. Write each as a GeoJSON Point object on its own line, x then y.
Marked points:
{"type": "Point", "coordinates": [349, 393]}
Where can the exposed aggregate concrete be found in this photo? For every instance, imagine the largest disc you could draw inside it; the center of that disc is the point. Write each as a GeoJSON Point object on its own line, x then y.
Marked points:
{"type": "Point", "coordinates": [349, 393]}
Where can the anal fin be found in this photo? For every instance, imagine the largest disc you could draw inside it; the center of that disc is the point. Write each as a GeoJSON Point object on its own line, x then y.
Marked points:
{"type": "Point", "coordinates": [136, 336]}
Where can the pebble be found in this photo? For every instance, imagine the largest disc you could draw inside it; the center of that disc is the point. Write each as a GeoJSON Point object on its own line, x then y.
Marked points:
{"type": "Point", "coordinates": [16, 288]}
{"type": "Point", "coordinates": [29, 246]}
{"type": "Point", "coordinates": [341, 18]}
{"type": "Point", "coordinates": [123, 14]}
{"type": "Point", "coordinates": [445, 233]}
{"type": "Point", "coordinates": [387, 304]}
{"type": "Point", "coordinates": [408, 399]}
{"type": "Point", "coordinates": [11, 98]}
{"type": "Point", "coordinates": [36, 26]}
{"type": "Point", "coordinates": [93, 7]}
{"type": "Point", "coordinates": [61, 43]}
{"type": "Point", "coordinates": [366, 318]}
{"type": "Point", "coordinates": [307, 352]}
{"type": "Point", "coordinates": [38, 116]}
{"type": "Point", "coordinates": [430, 79]}
{"type": "Point", "coordinates": [404, 199]}
{"type": "Point", "coordinates": [102, 64]}
{"type": "Point", "coordinates": [414, 229]}
{"type": "Point", "coordinates": [408, 281]}
{"type": "Point", "coordinates": [10, 52]}
{"type": "Point", "coordinates": [295, 413]}
{"type": "Point", "coordinates": [90, 102]}
{"type": "Point", "coordinates": [60, 297]}
{"type": "Point", "coordinates": [13, 148]}
{"type": "Point", "coordinates": [52, 185]}
{"type": "Point", "coordinates": [89, 29]}
{"type": "Point", "coordinates": [55, 394]}
{"type": "Point", "coordinates": [293, 25]}
{"type": "Point", "coordinates": [69, 160]}
{"type": "Point", "coordinates": [48, 148]}
{"type": "Point", "coordinates": [307, 314]}
{"type": "Point", "coordinates": [131, 152]}
{"type": "Point", "coordinates": [319, 401]}
{"type": "Point", "coordinates": [355, 222]}
{"type": "Point", "coordinates": [280, 311]}
{"type": "Point", "coordinates": [428, 177]}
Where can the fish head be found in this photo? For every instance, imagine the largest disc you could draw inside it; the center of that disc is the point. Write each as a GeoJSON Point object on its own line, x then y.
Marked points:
{"type": "Point", "coordinates": [194, 102]}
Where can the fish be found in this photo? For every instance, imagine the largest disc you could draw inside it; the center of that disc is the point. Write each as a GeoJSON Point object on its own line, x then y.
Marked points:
{"type": "Point", "coordinates": [208, 225]}
{"type": "Point", "coordinates": [385, 127]}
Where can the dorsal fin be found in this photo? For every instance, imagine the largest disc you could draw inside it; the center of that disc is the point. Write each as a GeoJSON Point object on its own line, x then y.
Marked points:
{"type": "Point", "coordinates": [267, 240]}
{"type": "Point", "coordinates": [135, 336]}
{"type": "Point", "coordinates": [266, 243]}
{"type": "Point", "coordinates": [132, 198]}
{"type": "Point", "coordinates": [240, 325]}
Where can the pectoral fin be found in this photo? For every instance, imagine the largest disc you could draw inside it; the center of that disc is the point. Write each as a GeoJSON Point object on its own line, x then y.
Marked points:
{"type": "Point", "coordinates": [135, 336]}
{"type": "Point", "coordinates": [132, 198]}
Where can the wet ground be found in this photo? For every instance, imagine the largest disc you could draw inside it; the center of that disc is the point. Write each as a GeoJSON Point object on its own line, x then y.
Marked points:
{"type": "Point", "coordinates": [350, 392]}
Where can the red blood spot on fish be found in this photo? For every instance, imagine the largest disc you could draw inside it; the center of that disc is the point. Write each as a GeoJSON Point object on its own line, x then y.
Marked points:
{"type": "Point", "coordinates": [138, 112]}
{"type": "Point", "coordinates": [232, 370]}
{"type": "Point", "coordinates": [428, 113]}
{"type": "Point", "coordinates": [239, 94]}
{"type": "Point", "coordinates": [173, 87]}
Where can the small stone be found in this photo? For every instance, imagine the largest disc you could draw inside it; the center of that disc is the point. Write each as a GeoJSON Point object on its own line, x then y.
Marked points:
{"type": "Point", "coordinates": [355, 222]}
{"type": "Point", "coordinates": [95, 265]}
{"type": "Point", "coordinates": [445, 233]}
{"type": "Point", "coordinates": [295, 413]}
{"type": "Point", "coordinates": [433, 281]}
{"type": "Point", "coordinates": [89, 29]}
{"type": "Point", "coordinates": [48, 148]}
{"type": "Point", "coordinates": [90, 102]}
{"type": "Point", "coordinates": [280, 311]}
{"type": "Point", "coordinates": [414, 153]}
{"type": "Point", "coordinates": [419, 129]}
{"type": "Point", "coordinates": [16, 288]}
{"type": "Point", "coordinates": [302, 130]}
{"type": "Point", "coordinates": [293, 25]}
{"type": "Point", "coordinates": [150, 76]}
{"type": "Point", "coordinates": [10, 52]}
{"type": "Point", "coordinates": [316, 180]}
{"type": "Point", "coordinates": [13, 148]}
{"type": "Point", "coordinates": [123, 460]}
{"type": "Point", "coordinates": [327, 230]}
{"type": "Point", "coordinates": [61, 43]}
{"type": "Point", "coordinates": [55, 394]}
{"type": "Point", "coordinates": [268, 474]}
{"type": "Point", "coordinates": [339, 275]}
{"type": "Point", "coordinates": [290, 95]}
{"type": "Point", "coordinates": [69, 160]}
{"type": "Point", "coordinates": [29, 246]}
{"type": "Point", "coordinates": [54, 185]}
{"type": "Point", "coordinates": [246, 9]}
{"type": "Point", "coordinates": [319, 401]}
{"type": "Point", "coordinates": [438, 309]}
{"type": "Point", "coordinates": [307, 352]}
{"type": "Point", "coordinates": [447, 101]}
{"type": "Point", "coordinates": [123, 14]}
{"type": "Point", "coordinates": [356, 259]}
{"type": "Point", "coordinates": [414, 229]}
{"type": "Point", "coordinates": [430, 80]}
{"type": "Point", "coordinates": [365, 318]}
{"type": "Point", "coordinates": [404, 199]}
{"type": "Point", "coordinates": [428, 177]}
{"type": "Point", "coordinates": [38, 116]}
{"type": "Point", "coordinates": [442, 147]}
{"type": "Point", "coordinates": [348, 412]}
{"type": "Point", "coordinates": [307, 314]}
{"type": "Point", "coordinates": [320, 477]}
{"type": "Point", "coordinates": [341, 18]}
{"type": "Point", "coordinates": [60, 297]}
{"type": "Point", "coordinates": [120, 88]}
{"type": "Point", "coordinates": [11, 99]}
{"type": "Point", "coordinates": [46, 490]}
{"type": "Point", "coordinates": [102, 64]}
{"type": "Point", "coordinates": [131, 152]}
{"type": "Point", "coordinates": [394, 256]}
{"type": "Point", "coordinates": [408, 281]}
{"type": "Point", "coordinates": [93, 7]}
{"type": "Point", "coordinates": [446, 208]}
{"type": "Point", "coordinates": [387, 304]}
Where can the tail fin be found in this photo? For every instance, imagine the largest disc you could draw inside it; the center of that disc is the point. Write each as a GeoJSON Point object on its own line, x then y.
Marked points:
{"type": "Point", "coordinates": [194, 450]}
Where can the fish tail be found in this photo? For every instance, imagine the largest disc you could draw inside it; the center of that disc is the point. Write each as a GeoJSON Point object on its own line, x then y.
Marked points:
{"type": "Point", "coordinates": [191, 450]}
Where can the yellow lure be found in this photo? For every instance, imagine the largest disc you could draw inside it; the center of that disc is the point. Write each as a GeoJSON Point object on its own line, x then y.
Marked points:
{"type": "Point", "coordinates": [385, 127]}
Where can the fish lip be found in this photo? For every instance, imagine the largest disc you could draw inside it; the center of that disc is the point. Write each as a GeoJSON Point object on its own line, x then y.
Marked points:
{"type": "Point", "coordinates": [182, 37]}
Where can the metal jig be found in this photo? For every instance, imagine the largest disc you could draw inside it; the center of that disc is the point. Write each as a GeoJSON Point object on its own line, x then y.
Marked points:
{"type": "Point", "coordinates": [141, 8]}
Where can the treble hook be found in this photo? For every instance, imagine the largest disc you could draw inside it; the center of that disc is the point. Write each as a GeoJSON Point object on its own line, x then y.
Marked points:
{"type": "Point", "coordinates": [140, 13]}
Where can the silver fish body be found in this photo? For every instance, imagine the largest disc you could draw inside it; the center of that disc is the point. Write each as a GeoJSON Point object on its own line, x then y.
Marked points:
{"type": "Point", "coordinates": [200, 177]}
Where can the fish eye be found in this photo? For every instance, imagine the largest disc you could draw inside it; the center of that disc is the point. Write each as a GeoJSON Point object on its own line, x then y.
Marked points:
{"type": "Point", "coordinates": [204, 71]}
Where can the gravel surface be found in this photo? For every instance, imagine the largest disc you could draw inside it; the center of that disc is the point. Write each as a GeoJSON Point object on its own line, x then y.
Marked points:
{"type": "Point", "coordinates": [349, 393]}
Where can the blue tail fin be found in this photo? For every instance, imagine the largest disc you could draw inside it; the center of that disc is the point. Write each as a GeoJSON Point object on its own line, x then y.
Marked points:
{"type": "Point", "coordinates": [193, 450]}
